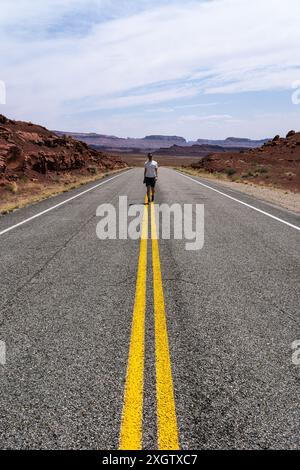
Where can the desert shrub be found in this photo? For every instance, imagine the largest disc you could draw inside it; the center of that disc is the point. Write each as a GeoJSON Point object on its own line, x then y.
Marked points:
{"type": "Point", "coordinates": [235, 178]}
{"type": "Point", "coordinates": [93, 170]}
{"type": "Point", "coordinates": [230, 171]}
{"type": "Point", "coordinates": [23, 178]}
{"type": "Point", "coordinates": [12, 187]}
{"type": "Point", "coordinates": [261, 170]}
{"type": "Point", "coordinates": [249, 174]}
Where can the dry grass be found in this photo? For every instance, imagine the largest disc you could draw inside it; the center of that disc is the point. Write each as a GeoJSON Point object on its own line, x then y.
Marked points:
{"type": "Point", "coordinates": [17, 195]}
{"type": "Point", "coordinates": [279, 197]}
{"type": "Point", "coordinates": [204, 174]}
{"type": "Point", "coordinates": [12, 187]}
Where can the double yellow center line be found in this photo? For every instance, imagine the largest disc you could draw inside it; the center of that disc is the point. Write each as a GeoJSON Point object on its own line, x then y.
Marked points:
{"type": "Point", "coordinates": [131, 435]}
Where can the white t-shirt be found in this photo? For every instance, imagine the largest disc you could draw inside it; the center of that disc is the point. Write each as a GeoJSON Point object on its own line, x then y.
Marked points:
{"type": "Point", "coordinates": [150, 169]}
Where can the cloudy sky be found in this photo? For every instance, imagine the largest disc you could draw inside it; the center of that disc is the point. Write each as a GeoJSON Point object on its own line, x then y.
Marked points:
{"type": "Point", "coordinates": [200, 68]}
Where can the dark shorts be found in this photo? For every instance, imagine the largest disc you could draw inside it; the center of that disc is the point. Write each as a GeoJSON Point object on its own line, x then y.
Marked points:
{"type": "Point", "coordinates": [150, 182]}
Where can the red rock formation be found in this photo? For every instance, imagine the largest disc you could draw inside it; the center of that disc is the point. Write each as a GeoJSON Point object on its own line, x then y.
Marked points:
{"type": "Point", "coordinates": [276, 163]}
{"type": "Point", "coordinates": [26, 148]}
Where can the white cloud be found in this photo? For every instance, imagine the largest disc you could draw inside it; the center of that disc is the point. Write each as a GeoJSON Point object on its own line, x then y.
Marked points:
{"type": "Point", "coordinates": [205, 118]}
{"type": "Point", "coordinates": [220, 46]}
{"type": "Point", "coordinates": [139, 99]}
{"type": "Point", "coordinates": [257, 125]}
{"type": "Point", "coordinates": [196, 105]}
{"type": "Point", "coordinates": [179, 107]}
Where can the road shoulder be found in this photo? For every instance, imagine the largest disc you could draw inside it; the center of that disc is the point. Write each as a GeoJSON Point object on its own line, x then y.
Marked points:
{"type": "Point", "coordinates": [278, 197]}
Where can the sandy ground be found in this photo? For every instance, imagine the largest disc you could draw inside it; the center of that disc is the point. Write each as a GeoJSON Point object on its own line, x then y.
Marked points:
{"type": "Point", "coordinates": [139, 159]}
{"type": "Point", "coordinates": [280, 197]}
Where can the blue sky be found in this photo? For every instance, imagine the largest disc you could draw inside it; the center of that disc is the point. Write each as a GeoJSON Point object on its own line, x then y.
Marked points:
{"type": "Point", "coordinates": [200, 69]}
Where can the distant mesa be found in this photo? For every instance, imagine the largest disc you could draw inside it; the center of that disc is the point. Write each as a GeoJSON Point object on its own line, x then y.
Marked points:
{"type": "Point", "coordinates": [155, 142]}
{"type": "Point", "coordinates": [193, 150]}
{"type": "Point", "coordinates": [234, 142]}
{"type": "Point", "coordinates": [166, 138]}
{"type": "Point", "coordinates": [238, 139]}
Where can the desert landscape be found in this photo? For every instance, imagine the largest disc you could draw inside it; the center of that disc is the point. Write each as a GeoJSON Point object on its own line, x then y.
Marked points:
{"type": "Point", "coordinates": [36, 163]}
{"type": "Point", "coordinates": [155, 142]}
{"type": "Point", "coordinates": [275, 164]}
{"type": "Point", "coordinates": [149, 230]}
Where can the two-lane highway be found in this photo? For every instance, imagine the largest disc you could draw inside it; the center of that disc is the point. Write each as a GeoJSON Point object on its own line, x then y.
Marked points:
{"type": "Point", "coordinates": [113, 340]}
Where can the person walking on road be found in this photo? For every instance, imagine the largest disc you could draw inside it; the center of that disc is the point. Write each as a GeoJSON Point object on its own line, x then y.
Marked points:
{"type": "Point", "coordinates": [150, 177]}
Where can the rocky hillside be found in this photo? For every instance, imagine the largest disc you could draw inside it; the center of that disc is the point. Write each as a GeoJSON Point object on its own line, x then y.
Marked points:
{"type": "Point", "coordinates": [276, 163]}
{"type": "Point", "coordinates": [32, 150]}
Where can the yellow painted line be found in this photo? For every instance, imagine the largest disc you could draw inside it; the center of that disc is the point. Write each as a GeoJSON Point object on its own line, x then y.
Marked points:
{"type": "Point", "coordinates": [132, 418]}
{"type": "Point", "coordinates": [166, 411]}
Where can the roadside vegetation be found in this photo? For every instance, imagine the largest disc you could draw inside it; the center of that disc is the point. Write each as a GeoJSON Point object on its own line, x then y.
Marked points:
{"type": "Point", "coordinates": [15, 195]}
{"type": "Point", "coordinates": [249, 185]}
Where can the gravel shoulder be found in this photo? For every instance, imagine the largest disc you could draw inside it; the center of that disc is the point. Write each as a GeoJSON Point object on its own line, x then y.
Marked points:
{"type": "Point", "coordinates": [287, 199]}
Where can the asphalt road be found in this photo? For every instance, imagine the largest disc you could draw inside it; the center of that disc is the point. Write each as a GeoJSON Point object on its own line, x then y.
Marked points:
{"type": "Point", "coordinates": [67, 302]}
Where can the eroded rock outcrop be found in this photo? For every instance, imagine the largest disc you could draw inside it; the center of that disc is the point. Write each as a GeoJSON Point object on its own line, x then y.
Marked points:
{"type": "Point", "coordinates": [27, 148]}
{"type": "Point", "coordinates": [276, 163]}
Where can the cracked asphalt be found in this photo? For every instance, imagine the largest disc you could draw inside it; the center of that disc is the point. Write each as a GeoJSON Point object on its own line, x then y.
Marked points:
{"type": "Point", "coordinates": [66, 304]}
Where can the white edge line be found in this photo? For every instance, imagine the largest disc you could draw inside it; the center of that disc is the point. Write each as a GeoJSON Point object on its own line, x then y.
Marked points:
{"type": "Point", "coordinates": [241, 202]}
{"type": "Point", "coordinates": [60, 204]}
